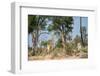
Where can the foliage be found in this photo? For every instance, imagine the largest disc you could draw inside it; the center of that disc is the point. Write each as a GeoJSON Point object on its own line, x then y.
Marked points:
{"type": "Point", "coordinates": [35, 24]}
{"type": "Point", "coordinates": [58, 44]}
{"type": "Point", "coordinates": [62, 26]}
{"type": "Point", "coordinates": [84, 49]}
{"type": "Point", "coordinates": [69, 48]}
{"type": "Point", "coordinates": [44, 43]}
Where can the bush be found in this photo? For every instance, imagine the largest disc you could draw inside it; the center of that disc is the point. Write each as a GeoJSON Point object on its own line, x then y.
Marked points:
{"type": "Point", "coordinates": [84, 49]}
{"type": "Point", "coordinates": [71, 49]}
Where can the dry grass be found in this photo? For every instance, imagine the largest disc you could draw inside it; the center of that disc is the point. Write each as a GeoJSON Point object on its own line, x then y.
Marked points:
{"type": "Point", "coordinates": [57, 54]}
{"type": "Point", "coordinates": [71, 52]}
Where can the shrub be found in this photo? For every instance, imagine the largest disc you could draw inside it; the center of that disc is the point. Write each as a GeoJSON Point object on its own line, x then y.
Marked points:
{"type": "Point", "coordinates": [84, 49]}
{"type": "Point", "coordinates": [69, 48]}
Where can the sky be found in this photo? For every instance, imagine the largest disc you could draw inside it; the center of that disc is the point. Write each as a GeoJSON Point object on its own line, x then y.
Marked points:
{"type": "Point", "coordinates": [76, 25]}
{"type": "Point", "coordinates": [75, 31]}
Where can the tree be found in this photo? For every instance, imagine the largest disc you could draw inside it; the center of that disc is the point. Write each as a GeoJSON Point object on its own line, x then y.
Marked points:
{"type": "Point", "coordinates": [81, 31]}
{"type": "Point", "coordinates": [84, 33]}
{"type": "Point", "coordinates": [35, 24]}
{"type": "Point", "coordinates": [62, 25]}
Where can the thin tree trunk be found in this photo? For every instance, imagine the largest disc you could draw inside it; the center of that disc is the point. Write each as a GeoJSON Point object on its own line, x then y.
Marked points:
{"type": "Point", "coordinates": [37, 38]}
{"type": "Point", "coordinates": [63, 41]}
{"type": "Point", "coordinates": [34, 43]}
{"type": "Point", "coordinates": [81, 31]}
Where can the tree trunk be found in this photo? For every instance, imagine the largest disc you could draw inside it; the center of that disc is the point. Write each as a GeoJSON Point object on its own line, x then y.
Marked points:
{"type": "Point", "coordinates": [63, 42]}
{"type": "Point", "coordinates": [37, 38]}
{"type": "Point", "coordinates": [81, 31]}
{"type": "Point", "coordinates": [34, 43]}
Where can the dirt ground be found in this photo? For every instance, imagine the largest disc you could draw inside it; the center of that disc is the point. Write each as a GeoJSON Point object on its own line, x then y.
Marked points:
{"type": "Point", "coordinates": [50, 57]}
